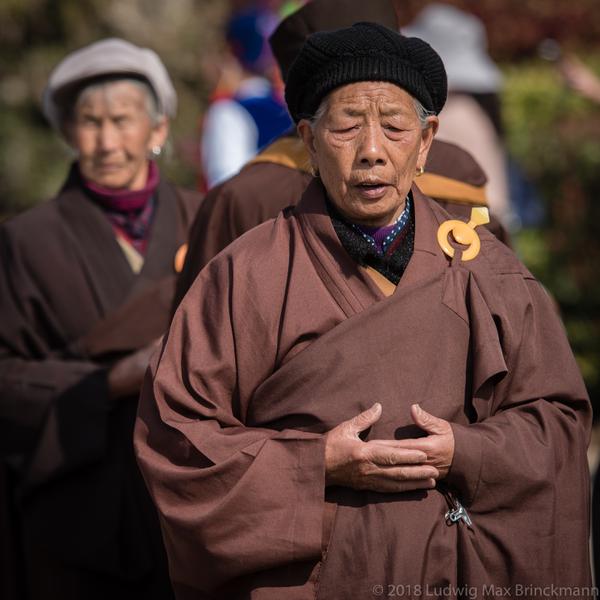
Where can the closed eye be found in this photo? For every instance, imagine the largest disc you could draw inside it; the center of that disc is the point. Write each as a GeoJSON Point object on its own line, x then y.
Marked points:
{"type": "Point", "coordinates": [89, 121]}
{"type": "Point", "coordinates": [394, 132]}
{"type": "Point", "coordinates": [121, 121]}
{"type": "Point", "coordinates": [345, 129]}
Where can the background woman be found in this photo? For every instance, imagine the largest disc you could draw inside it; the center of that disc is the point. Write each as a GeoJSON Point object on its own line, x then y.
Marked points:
{"type": "Point", "coordinates": [85, 286]}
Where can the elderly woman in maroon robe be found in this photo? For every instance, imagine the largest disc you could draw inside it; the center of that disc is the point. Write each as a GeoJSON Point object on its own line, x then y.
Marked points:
{"type": "Point", "coordinates": [86, 282]}
{"type": "Point", "coordinates": [363, 397]}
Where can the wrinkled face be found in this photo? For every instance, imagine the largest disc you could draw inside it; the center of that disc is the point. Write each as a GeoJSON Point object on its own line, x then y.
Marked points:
{"type": "Point", "coordinates": [113, 134]}
{"type": "Point", "coordinates": [367, 146]}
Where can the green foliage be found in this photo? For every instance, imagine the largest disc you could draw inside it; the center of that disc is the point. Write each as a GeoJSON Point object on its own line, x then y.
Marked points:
{"type": "Point", "coordinates": [555, 135]}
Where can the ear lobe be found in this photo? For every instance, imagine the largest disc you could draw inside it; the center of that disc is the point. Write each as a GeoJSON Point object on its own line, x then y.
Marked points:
{"type": "Point", "coordinates": [427, 136]}
{"type": "Point", "coordinates": [160, 132]}
{"type": "Point", "coordinates": [434, 124]}
{"type": "Point", "coordinates": [306, 133]}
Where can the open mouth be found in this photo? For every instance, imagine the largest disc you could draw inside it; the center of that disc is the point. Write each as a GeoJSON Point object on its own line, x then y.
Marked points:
{"type": "Point", "coordinates": [372, 190]}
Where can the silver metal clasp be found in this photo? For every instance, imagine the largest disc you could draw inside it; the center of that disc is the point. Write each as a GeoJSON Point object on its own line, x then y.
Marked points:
{"type": "Point", "coordinates": [458, 513]}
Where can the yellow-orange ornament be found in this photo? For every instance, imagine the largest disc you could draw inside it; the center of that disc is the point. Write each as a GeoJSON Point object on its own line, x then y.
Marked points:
{"type": "Point", "coordinates": [463, 233]}
{"type": "Point", "coordinates": [180, 258]}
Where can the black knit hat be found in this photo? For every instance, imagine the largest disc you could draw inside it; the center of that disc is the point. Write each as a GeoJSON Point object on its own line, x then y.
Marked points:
{"type": "Point", "coordinates": [325, 15]}
{"type": "Point", "coordinates": [363, 52]}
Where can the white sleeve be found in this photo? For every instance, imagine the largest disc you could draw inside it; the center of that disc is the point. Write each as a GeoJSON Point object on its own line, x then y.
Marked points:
{"type": "Point", "coordinates": [229, 140]}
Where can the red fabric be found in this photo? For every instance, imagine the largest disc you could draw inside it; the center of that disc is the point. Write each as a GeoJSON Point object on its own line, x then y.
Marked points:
{"type": "Point", "coordinates": [125, 200]}
{"type": "Point", "coordinates": [130, 212]}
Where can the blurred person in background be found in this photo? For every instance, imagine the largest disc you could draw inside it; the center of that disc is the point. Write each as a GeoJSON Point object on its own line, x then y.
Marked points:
{"type": "Point", "coordinates": [86, 282]}
{"type": "Point", "coordinates": [472, 116]}
{"type": "Point", "coordinates": [278, 175]}
{"type": "Point", "coordinates": [247, 111]}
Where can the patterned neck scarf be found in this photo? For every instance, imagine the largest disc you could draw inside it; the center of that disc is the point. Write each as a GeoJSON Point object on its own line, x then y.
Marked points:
{"type": "Point", "coordinates": [130, 212]}
{"type": "Point", "coordinates": [382, 237]}
{"type": "Point", "coordinates": [396, 246]}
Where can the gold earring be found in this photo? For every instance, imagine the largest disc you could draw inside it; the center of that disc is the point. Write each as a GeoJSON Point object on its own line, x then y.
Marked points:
{"type": "Point", "coordinates": [314, 171]}
{"type": "Point", "coordinates": [420, 171]}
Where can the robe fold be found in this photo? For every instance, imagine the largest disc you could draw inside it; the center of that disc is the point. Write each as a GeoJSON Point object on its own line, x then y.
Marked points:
{"type": "Point", "coordinates": [282, 337]}
{"type": "Point", "coordinates": [71, 306]}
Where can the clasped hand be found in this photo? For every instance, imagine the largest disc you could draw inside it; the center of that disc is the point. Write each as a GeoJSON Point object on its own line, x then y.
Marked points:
{"type": "Point", "coordinates": [388, 465]}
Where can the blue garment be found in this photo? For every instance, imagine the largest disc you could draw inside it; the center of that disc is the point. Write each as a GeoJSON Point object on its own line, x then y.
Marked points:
{"type": "Point", "coordinates": [270, 116]}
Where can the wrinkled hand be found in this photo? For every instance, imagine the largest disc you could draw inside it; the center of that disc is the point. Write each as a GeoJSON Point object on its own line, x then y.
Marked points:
{"type": "Point", "coordinates": [125, 377]}
{"type": "Point", "coordinates": [377, 465]}
{"type": "Point", "coordinates": [438, 445]}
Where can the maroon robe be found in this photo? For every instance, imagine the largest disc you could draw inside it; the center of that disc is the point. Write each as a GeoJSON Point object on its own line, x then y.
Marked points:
{"type": "Point", "coordinates": [71, 306]}
{"type": "Point", "coordinates": [282, 337]}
